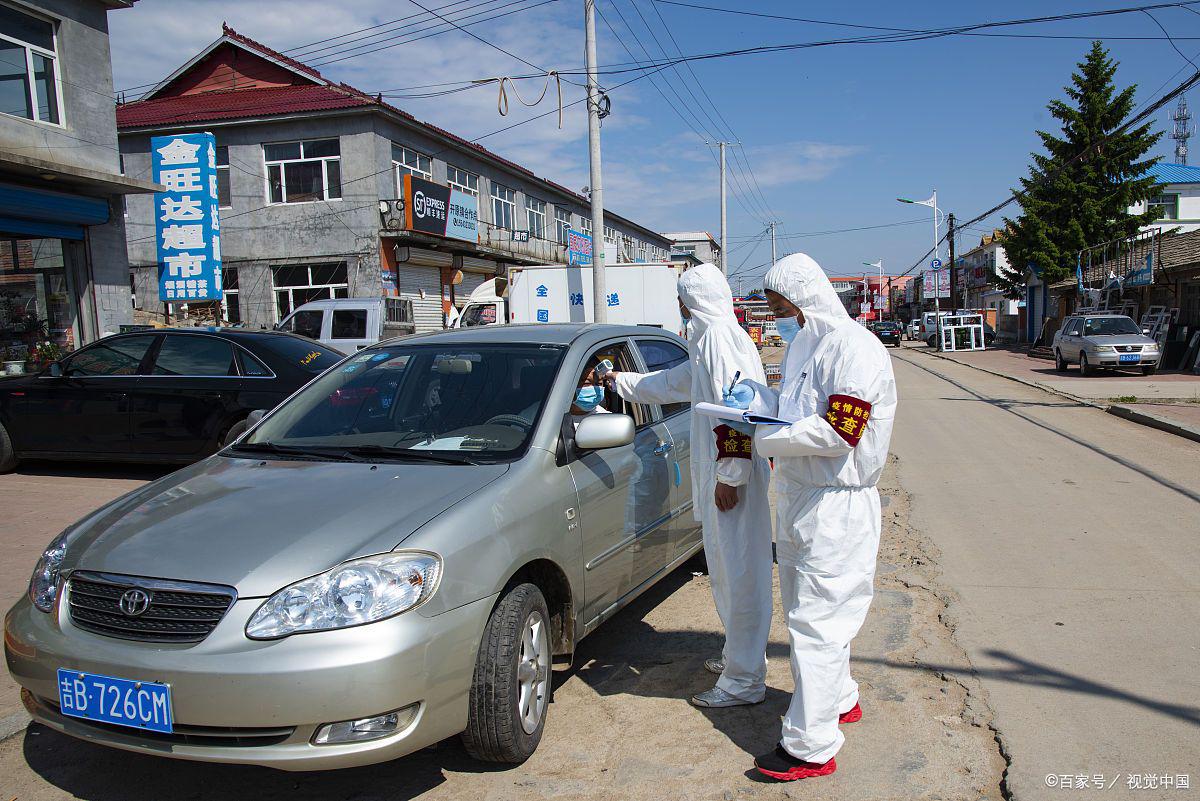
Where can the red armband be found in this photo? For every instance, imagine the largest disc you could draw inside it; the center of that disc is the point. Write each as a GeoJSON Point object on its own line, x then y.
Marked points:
{"type": "Point", "coordinates": [732, 444]}
{"type": "Point", "coordinates": [848, 416]}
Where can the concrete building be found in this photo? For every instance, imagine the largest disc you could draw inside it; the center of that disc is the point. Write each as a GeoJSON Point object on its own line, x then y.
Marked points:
{"type": "Point", "coordinates": [326, 191]}
{"type": "Point", "coordinates": [695, 243]}
{"type": "Point", "coordinates": [1178, 198]}
{"type": "Point", "coordinates": [64, 277]}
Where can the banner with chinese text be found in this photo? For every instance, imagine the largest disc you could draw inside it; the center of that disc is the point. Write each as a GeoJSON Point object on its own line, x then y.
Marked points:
{"type": "Point", "coordinates": [186, 227]}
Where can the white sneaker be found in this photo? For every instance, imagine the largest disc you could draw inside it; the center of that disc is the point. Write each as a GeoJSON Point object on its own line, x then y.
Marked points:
{"type": "Point", "coordinates": [716, 698]}
{"type": "Point", "coordinates": [715, 665]}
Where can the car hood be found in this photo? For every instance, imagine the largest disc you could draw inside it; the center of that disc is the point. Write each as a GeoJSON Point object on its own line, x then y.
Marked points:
{"type": "Point", "coordinates": [260, 525]}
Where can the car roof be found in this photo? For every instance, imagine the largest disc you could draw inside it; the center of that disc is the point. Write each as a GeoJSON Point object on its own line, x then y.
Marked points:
{"type": "Point", "coordinates": [242, 335]}
{"type": "Point", "coordinates": [535, 333]}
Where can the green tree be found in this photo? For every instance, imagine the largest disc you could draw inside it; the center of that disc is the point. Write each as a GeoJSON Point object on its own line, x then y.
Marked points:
{"type": "Point", "coordinates": [1072, 201]}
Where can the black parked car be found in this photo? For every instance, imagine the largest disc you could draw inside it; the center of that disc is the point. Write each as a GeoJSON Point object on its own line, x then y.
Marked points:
{"type": "Point", "coordinates": [169, 395]}
{"type": "Point", "coordinates": [888, 332]}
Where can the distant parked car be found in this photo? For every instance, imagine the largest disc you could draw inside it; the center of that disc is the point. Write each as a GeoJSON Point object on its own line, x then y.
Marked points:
{"type": "Point", "coordinates": [914, 329]}
{"type": "Point", "coordinates": [888, 332]}
{"type": "Point", "coordinates": [169, 395]}
{"type": "Point", "coordinates": [1104, 340]}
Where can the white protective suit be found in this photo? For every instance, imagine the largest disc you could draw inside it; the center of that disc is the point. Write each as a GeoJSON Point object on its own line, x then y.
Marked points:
{"type": "Point", "coordinates": [827, 464]}
{"type": "Point", "coordinates": [737, 543]}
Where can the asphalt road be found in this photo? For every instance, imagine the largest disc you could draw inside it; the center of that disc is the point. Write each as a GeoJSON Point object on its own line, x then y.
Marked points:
{"type": "Point", "coordinates": [1070, 541]}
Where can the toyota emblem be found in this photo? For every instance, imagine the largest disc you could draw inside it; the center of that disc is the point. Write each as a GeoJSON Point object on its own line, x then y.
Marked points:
{"type": "Point", "coordinates": [134, 602]}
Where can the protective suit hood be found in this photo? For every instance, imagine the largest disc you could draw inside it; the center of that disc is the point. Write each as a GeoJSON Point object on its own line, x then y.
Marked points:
{"type": "Point", "coordinates": [802, 281]}
{"type": "Point", "coordinates": [704, 290]}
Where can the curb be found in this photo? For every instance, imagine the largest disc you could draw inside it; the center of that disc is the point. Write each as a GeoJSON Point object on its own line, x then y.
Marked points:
{"type": "Point", "coordinates": [13, 724]}
{"type": "Point", "coordinates": [1156, 421]}
{"type": "Point", "coordinates": [1124, 412]}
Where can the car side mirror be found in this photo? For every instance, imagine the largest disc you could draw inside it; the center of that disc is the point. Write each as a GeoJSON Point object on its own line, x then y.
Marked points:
{"type": "Point", "coordinates": [254, 416]}
{"type": "Point", "coordinates": [55, 370]}
{"type": "Point", "coordinates": [599, 431]}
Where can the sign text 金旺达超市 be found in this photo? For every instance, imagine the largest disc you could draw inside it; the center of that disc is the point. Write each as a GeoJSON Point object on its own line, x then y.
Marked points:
{"type": "Point", "coordinates": [187, 229]}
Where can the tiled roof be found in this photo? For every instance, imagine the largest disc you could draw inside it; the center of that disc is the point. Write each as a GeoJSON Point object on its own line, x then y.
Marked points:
{"type": "Point", "coordinates": [237, 104]}
{"type": "Point", "coordinates": [275, 54]}
{"type": "Point", "coordinates": [1175, 173]}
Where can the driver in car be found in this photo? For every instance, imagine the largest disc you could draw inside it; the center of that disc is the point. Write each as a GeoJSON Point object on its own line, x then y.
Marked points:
{"type": "Point", "coordinates": [589, 393]}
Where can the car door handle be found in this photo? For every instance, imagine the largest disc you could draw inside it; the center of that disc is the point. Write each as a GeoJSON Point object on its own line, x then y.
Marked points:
{"type": "Point", "coordinates": [663, 447]}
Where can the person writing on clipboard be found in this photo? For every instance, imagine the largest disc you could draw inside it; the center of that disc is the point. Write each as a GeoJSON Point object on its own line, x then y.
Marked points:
{"type": "Point", "coordinates": [839, 396]}
{"type": "Point", "coordinates": [729, 481]}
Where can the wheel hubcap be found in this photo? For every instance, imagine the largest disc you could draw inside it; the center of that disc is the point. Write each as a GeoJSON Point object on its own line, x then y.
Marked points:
{"type": "Point", "coordinates": [533, 672]}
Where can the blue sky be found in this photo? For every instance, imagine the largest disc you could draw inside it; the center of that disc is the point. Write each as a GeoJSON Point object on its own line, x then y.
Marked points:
{"type": "Point", "coordinates": [833, 134]}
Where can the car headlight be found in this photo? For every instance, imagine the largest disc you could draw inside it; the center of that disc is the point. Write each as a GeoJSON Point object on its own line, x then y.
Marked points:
{"type": "Point", "coordinates": [1150, 350]}
{"type": "Point", "coordinates": [43, 585]}
{"type": "Point", "coordinates": [1104, 349]}
{"type": "Point", "coordinates": [355, 592]}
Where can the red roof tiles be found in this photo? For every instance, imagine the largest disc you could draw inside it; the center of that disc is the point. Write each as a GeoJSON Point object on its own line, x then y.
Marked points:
{"type": "Point", "coordinates": [237, 104]}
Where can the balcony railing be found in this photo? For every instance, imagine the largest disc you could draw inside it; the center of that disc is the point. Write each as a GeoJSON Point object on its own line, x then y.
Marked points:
{"type": "Point", "coordinates": [545, 251]}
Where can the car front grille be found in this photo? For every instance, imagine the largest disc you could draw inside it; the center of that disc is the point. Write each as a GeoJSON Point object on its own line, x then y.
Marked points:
{"type": "Point", "coordinates": [177, 611]}
{"type": "Point", "coordinates": [212, 736]}
{"type": "Point", "coordinates": [1128, 348]}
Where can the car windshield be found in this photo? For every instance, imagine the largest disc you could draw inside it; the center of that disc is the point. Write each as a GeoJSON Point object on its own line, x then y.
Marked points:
{"type": "Point", "coordinates": [417, 401]}
{"type": "Point", "coordinates": [1108, 326]}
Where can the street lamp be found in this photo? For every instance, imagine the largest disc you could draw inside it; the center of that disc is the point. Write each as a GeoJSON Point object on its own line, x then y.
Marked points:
{"type": "Point", "coordinates": [937, 284]}
{"type": "Point", "coordinates": [879, 265]}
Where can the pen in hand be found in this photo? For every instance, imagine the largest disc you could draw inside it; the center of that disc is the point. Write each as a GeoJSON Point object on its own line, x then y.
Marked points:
{"type": "Point", "coordinates": [737, 375]}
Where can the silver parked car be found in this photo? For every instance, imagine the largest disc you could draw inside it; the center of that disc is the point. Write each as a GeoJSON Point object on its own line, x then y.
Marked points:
{"type": "Point", "coordinates": [1104, 340]}
{"type": "Point", "coordinates": [395, 555]}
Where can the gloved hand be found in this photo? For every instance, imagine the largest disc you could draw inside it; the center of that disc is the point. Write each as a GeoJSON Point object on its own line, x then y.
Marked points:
{"type": "Point", "coordinates": [740, 397]}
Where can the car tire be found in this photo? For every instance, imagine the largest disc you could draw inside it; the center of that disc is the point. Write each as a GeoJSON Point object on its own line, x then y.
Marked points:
{"type": "Point", "coordinates": [510, 691]}
{"type": "Point", "coordinates": [8, 459]}
{"type": "Point", "coordinates": [234, 431]}
{"type": "Point", "coordinates": [1150, 370]}
{"type": "Point", "coordinates": [1060, 364]}
{"type": "Point", "coordinates": [1084, 368]}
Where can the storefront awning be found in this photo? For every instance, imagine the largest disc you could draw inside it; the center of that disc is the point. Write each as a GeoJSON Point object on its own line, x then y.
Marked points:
{"type": "Point", "coordinates": [41, 213]}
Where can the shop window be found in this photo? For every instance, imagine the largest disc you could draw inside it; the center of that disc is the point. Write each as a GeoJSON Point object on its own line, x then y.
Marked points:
{"type": "Point", "coordinates": [406, 161]}
{"type": "Point", "coordinates": [297, 284]}
{"type": "Point", "coordinates": [303, 172]}
{"type": "Point", "coordinates": [29, 81]}
{"type": "Point", "coordinates": [36, 304]}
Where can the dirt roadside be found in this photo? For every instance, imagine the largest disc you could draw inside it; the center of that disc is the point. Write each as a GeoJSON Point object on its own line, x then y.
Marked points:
{"type": "Point", "coordinates": [620, 727]}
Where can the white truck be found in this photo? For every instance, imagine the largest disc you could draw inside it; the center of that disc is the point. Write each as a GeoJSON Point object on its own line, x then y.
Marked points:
{"type": "Point", "coordinates": [350, 324]}
{"type": "Point", "coordinates": [635, 294]}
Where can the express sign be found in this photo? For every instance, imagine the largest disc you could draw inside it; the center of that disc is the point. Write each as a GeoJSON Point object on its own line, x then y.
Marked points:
{"type": "Point", "coordinates": [439, 210]}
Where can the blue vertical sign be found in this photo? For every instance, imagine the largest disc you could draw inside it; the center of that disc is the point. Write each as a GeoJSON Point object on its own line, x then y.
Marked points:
{"type": "Point", "coordinates": [187, 230]}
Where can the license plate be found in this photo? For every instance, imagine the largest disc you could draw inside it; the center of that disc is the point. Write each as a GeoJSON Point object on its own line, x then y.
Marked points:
{"type": "Point", "coordinates": [137, 704]}
{"type": "Point", "coordinates": [1129, 358]}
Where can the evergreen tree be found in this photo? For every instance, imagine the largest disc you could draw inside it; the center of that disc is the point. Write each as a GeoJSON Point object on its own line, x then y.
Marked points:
{"type": "Point", "coordinates": [1071, 203]}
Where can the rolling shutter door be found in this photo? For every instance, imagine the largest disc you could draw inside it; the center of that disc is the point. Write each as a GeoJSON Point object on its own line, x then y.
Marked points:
{"type": "Point", "coordinates": [427, 311]}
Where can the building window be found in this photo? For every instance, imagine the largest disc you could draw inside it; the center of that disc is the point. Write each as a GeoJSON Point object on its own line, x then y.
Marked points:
{"type": "Point", "coordinates": [463, 181]}
{"type": "Point", "coordinates": [224, 199]}
{"type": "Point", "coordinates": [562, 224]}
{"type": "Point", "coordinates": [297, 284]}
{"type": "Point", "coordinates": [303, 172]}
{"type": "Point", "coordinates": [504, 206]}
{"type": "Point", "coordinates": [585, 224]}
{"type": "Point", "coordinates": [29, 84]}
{"type": "Point", "coordinates": [536, 210]}
{"type": "Point", "coordinates": [406, 161]}
{"type": "Point", "coordinates": [232, 295]}
{"type": "Point", "coordinates": [1165, 206]}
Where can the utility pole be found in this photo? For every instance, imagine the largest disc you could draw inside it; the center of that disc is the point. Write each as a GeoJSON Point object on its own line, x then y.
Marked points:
{"type": "Point", "coordinates": [953, 267]}
{"type": "Point", "coordinates": [599, 291]}
{"type": "Point", "coordinates": [772, 243]}
{"type": "Point", "coordinates": [724, 225]}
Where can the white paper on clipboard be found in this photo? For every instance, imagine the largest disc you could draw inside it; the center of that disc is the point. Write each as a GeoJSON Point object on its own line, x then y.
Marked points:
{"type": "Point", "coordinates": [741, 416]}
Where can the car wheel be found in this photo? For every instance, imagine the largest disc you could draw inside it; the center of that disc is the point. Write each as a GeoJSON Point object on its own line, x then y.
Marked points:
{"type": "Point", "coordinates": [8, 459]}
{"type": "Point", "coordinates": [1060, 364]}
{"type": "Point", "coordinates": [1150, 370]}
{"type": "Point", "coordinates": [510, 691]}
{"type": "Point", "coordinates": [234, 431]}
{"type": "Point", "coordinates": [1084, 367]}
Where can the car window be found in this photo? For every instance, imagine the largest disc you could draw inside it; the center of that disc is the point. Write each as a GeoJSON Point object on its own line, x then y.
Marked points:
{"type": "Point", "coordinates": [308, 356]}
{"type": "Point", "coordinates": [306, 323]}
{"type": "Point", "coordinates": [478, 315]}
{"type": "Point", "coordinates": [1109, 326]}
{"type": "Point", "coordinates": [110, 357]}
{"type": "Point", "coordinates": [622, 359]}
{"type": "Point", "coordinates": [662, 355]}
{"type": "Point", "coordinates": [182, 355]}
{"type": "Point", "coordinates": [251, 366]}
{"type": "Point", "coordinates": [349, 324]}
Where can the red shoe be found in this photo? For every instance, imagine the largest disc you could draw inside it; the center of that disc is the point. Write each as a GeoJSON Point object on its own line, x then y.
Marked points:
{"type": "Point", "coordinates": [853, 716]}
{"type": "Point", "coordinates": [783, 767]}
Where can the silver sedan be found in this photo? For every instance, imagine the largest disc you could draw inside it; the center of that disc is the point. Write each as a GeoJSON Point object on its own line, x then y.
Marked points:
{"type": "Point", "coordinates": [396, 555]}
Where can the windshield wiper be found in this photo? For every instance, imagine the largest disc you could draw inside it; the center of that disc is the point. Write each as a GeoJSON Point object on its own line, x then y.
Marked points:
{"type": "Point", "coordinates": [445, 457]}
{"type": "Point", "coordinates": [319, 451]}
